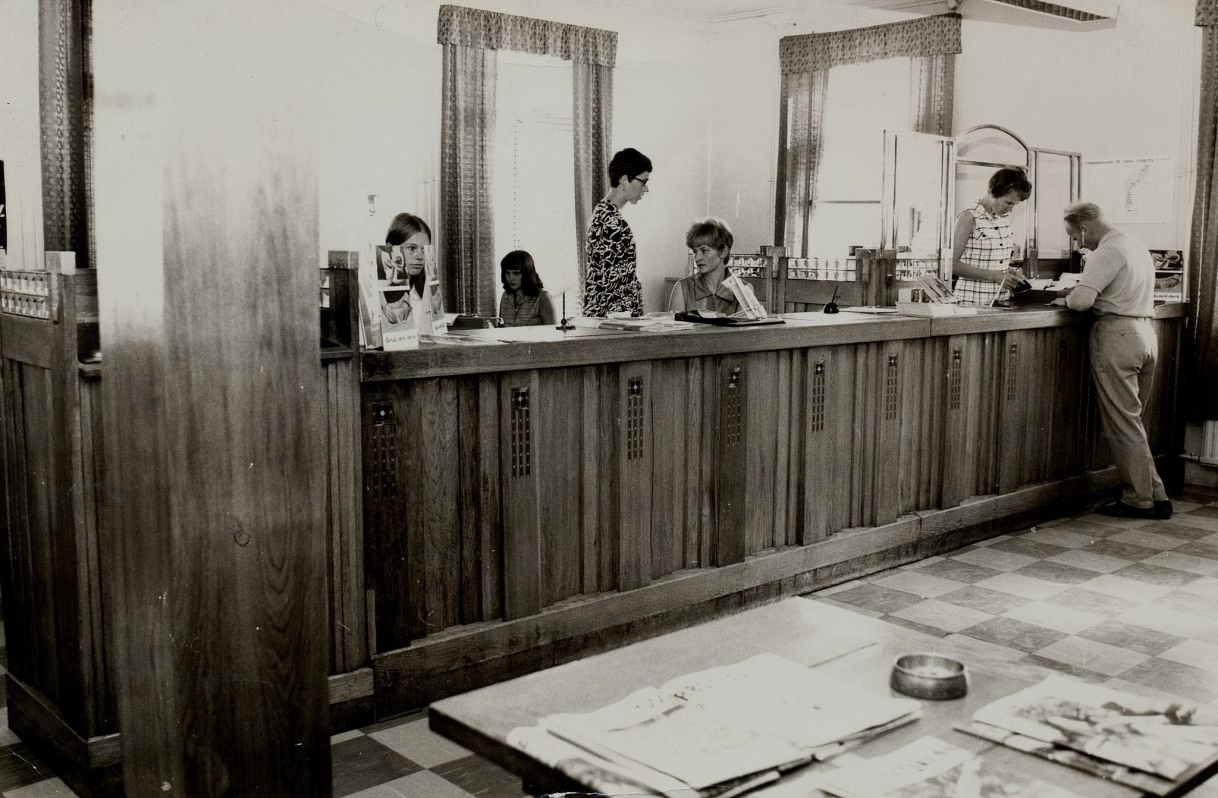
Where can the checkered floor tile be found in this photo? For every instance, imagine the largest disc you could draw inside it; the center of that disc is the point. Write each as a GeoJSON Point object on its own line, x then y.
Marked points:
{"type": "Point", "coordinates": [1129, 603]}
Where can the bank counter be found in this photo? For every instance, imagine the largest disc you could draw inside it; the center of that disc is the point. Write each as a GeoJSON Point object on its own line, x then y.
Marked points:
{"type": "Point", "coordinates": [531, 502]}
{"type": "Point", "coordinates": [497, 508]}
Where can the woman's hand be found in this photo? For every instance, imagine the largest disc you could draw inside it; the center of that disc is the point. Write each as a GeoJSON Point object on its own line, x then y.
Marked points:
{"type": "Point", "coordinates": [1013, 278]}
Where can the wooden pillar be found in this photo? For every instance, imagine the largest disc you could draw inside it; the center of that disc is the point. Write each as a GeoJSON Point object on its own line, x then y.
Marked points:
{"type": "Point", "coordinates": [65, 105]}
{"type": "Point", "coordinates": [213, 545]}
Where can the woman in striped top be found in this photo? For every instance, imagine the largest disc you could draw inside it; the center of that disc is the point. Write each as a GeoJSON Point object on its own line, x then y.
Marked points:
{"type": "Point", "coordinates": [524, 302]}
{"type": "Point", "coordinates": [982, 241]}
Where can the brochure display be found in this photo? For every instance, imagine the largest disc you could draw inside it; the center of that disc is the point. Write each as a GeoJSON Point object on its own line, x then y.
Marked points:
{"type": "Point", "coordinates": [935, 299]}
{"type": "Point", "coordinates": [396, 307]}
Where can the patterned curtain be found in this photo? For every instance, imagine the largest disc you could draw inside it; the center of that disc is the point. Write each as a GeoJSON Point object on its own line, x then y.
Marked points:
{"type": "Point", "coordinates": [1202, 341]}
{"type": "Point", "coordinates": [470, 36]}
{"type": "Point", "coordinates": [800, 116]}
{"type": "Point", "coordinates": [467, 130]}
{"type": "Point", "coordinates": [934, 79]}
{"type": "Point", "coordinates": [66, 122]}
{"type": "Point", "coordinates": [932, 42]}
{"type": "Point", "coordinates": [592, 119]}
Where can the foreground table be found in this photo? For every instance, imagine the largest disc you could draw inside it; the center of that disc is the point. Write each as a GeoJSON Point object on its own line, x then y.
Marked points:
{"type": "Point", "coordinates": [843, 644]}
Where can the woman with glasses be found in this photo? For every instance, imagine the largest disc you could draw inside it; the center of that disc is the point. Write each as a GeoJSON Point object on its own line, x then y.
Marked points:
{"type": "Point", "coordinates": [611, 283]}
{"type": "Point", "coordinates": [710, 242]}
{"type": "Point", "coordinates": [524, 303]}
{"type": "Point", "coordinates": [411, 235]}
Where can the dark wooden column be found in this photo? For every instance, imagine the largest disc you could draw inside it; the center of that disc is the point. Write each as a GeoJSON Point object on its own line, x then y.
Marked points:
{"type": "Point", "coordinates": [65, 111]}
{"type": "Point", "coordinates": [213, 547]}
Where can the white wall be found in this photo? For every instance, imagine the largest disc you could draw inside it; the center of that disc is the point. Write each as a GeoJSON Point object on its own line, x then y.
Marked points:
{"type": "Point", "coordinates": [746, 86]}
{"type": "Point", "coordinates": [19, 131]}
{"type": "Point", "coordinates": [1127, 90]}
{"type": "Point", "coordinates": [700, 99]}
{"type": "Point", "coordinates": [383, 135]}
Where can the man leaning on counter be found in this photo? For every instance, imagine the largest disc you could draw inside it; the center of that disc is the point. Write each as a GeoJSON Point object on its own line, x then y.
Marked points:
{"type": "Point", "coordinates": [1118, 286]}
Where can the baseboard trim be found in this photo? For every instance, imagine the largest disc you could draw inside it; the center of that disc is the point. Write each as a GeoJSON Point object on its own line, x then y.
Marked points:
{"type": "Point", "coordinates": [90, 766]}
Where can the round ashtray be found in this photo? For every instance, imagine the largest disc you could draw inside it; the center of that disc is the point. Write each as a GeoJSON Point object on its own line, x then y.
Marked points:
{"type": "Point", "coordinates": [929, 676]}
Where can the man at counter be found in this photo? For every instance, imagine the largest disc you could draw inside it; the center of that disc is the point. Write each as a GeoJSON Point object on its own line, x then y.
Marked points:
{"type": "Point", "coordinates": [1118, 286]}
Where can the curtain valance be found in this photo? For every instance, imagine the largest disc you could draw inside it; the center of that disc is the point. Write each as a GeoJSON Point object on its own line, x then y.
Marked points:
{"type": "Point", "coordinates": [491, 30]}
{"type": "Point", "coordinates": [812, 52]}
{"type": "Point", "coordinates": [1207, 13]}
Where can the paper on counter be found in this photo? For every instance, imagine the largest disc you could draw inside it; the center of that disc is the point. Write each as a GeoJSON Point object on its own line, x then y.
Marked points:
{"type": "Point", "coordinates": [932, 768]}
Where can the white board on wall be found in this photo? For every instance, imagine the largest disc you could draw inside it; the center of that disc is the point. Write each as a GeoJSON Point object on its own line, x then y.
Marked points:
{"type": "Point", "coordinates": [1131, 190]}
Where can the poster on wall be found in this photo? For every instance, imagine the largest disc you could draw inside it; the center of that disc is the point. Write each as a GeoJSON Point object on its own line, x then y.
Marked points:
{"type": "Point", "coordinates": [1131, 190]}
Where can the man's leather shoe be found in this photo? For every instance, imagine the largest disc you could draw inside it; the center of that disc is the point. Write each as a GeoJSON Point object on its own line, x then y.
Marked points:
{"type": "Point", "coordinates": [1162, 509]}
{"type": "Point", "coordinates": [1123, 510]}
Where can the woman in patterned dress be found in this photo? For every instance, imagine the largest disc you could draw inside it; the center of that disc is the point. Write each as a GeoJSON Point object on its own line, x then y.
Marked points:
{"type": "Point", "coordinates": [524, 303]}
{"type": "Point", "coordinates": [612, 284]}
{"type": "Point", "coordinates": [982, 241]}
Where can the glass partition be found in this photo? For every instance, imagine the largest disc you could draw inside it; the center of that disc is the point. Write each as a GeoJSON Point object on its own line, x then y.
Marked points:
{"type": "Point", "coordinates": [918, 218]}
{"type": "Point", "coordinates": [1056, 186]}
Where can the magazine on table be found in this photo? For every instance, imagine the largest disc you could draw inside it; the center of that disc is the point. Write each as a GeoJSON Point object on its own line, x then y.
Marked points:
{"type": "Point", "coordinates": [1101, 768]}
{"type": "Point", "coordinates": [1167, 739]}
{"type": "Point", "coordinates": [932, 768]}
{"type": "Point", "coordinates": [763, 715]}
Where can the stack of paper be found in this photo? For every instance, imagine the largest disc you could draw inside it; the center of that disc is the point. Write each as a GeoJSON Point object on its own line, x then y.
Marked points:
{"type": "Point", "coordinates": [931, 768]}
{"type": "Point", "coordinates": [733, 725]}
{"type": "Point", "coordinates": [652, 322]}
{"type": "Point", "coordinates": [1149, 743]}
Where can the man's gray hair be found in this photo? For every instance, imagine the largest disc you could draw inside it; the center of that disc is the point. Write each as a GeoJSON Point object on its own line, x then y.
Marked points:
{"type": "Point", "coordinates": [1082, 213]}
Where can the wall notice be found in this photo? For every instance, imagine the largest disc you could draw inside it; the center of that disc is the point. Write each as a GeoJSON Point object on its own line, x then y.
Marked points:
{"type": "Point", "coordinates": [1131, 190]}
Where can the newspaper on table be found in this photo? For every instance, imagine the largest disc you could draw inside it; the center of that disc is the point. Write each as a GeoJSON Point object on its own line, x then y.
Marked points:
{"type": "Point", "coordinates": [763, 715]}
{"type": "Point", "coordinates": [1164, 738]}
{"type": "Point", "coordinates": [932, 768]}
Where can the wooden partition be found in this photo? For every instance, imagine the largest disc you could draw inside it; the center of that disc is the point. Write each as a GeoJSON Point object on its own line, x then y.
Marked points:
{"type": "Point", "coordinates": [519, 517]}
{"type": "Point", "coordinates": [59, 680]}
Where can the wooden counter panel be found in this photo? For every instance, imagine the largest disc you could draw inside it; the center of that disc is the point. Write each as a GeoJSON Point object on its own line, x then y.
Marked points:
{"type": "Point", "coordinates": [441, 360]}
{"type": "Point", "coordinates": [551, 350]}
{"type": "Point", "coordinates": [558, 421]}
{"type": "Point", "coordinates": [677, 466]}
{"type": "Point", "coordinates": [517, 492]}
{"type": "Point", "coordinates": [348, 644]}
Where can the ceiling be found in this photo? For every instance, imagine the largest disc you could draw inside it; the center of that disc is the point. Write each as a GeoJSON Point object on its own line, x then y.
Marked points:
{"type": "Point", "coordinates": [1011, 11]}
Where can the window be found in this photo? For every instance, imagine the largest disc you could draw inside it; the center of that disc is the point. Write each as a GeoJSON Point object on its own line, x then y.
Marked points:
{"type": "Point", "coordinates": [534, 181]}
{"type": "Point", "coordinates": [861, 102]}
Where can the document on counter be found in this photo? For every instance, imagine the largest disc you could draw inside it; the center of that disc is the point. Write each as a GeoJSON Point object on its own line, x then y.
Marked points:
{"type": "Point", "coordinates": [1165, 739]}
{"type": "Point", "coordinates": [930, 768]}
{"type": "Point", "coordinates": [763, 715]}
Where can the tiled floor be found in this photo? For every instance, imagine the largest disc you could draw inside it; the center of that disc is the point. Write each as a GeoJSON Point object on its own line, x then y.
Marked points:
{"type": "Point", "coordinates": [1129, 603]}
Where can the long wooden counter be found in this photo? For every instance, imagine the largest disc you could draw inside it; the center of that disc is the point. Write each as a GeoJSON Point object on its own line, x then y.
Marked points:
{"type": "Point", "coordinates": [496, 509]}
{"type": "Point", "coordinates": [528, 503]}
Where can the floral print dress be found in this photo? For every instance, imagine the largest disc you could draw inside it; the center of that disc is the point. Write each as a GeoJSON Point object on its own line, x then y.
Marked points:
{"type": "Point", "coordinates": [611, 283]}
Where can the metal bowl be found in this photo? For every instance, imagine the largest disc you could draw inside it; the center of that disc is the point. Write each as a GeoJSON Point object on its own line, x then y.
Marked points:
{"type": "Point", "coordinates": [929, 676]}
